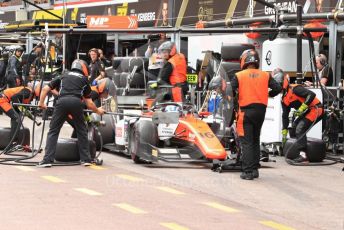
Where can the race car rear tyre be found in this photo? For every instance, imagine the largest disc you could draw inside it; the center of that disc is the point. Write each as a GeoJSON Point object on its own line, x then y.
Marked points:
{"type": "Point", "coordinates": [107, 132]}
{"type": "Point", "coordinates": [142, 134]}
{"type": "Point", "coordinates": [316, 149]}
{"type": "Point", "coordinates": [5, 137]}
{"type": "Point", "coordinates": [67, 150]}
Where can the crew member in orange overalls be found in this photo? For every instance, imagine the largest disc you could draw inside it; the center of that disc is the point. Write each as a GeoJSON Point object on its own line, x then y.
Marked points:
{"type": "Point", "coordinates": [19, 94]}
{"type": "Point", "coordinates": [252, 86]}
{"type": "Point", "coordinates": [309, 111]}
{"type": "Point", "coordinates": [172, 73]}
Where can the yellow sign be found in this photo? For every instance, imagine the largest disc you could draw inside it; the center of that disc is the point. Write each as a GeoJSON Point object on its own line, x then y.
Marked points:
{"type": "Point", "coordinates": [192, 78]}
{"type": "Point", "coordinates": [155, 152]}
{"type": "Point", "coordinates": [122, 10]}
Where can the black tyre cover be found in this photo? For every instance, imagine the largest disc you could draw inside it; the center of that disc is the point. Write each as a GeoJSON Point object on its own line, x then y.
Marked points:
{"type": "Point", "coordinates": [67, 150]}
{"type": "Point", "coordinates": [123, 80]}
{"type": "Point", "coordinates": [138, 80]}
{"type": "Point", "coordinates": [116, 79]}
{"type": "Point", "coordinates": [5, 137]}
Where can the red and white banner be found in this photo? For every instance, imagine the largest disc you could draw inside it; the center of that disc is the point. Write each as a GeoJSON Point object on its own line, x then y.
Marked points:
{"type": "Point", "coordinates": [111, 22]}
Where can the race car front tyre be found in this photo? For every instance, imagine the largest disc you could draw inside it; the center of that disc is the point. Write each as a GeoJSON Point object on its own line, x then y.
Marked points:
{"type": "Point", "coordinates": [141, 136]}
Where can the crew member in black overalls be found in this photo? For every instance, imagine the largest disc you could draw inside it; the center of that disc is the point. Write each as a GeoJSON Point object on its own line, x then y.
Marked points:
{"type": "Point", "coordinates": [73, 88]}
{"type": "Point", "coordinates": [14, 69]}
{"type": "Point", "coordinates": [97, 67]}
{"type": "Point", "coordinates": [3, 67]}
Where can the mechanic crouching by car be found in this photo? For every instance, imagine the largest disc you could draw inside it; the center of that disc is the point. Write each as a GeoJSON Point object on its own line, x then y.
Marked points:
{"type": "Point", "coordinates": [73, 88]}
{"type": "Point", "coordinates": [309, 111]}
{"type": "Point", "coordinates": [14, 68]}
{"type": "Point", "coordinates": [173, 73]}
{"type": "Point", "coordinates": [252, 86]}
{"type": "Point", "coordinates": [19, 94]}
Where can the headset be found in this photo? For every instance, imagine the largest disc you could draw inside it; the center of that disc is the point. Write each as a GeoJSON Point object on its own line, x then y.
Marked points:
{"type": "Point", "coordinates": [322, 59]}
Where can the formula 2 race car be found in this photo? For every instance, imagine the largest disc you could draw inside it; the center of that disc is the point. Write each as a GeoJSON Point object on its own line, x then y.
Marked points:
{"type": "Point", "coordinates": [174, 132]}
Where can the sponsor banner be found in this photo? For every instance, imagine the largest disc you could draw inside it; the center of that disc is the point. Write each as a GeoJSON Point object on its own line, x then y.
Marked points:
{"type": "Point", "coordinates": [111, 22]}
{"type": "Point", "coordinates": [309, 6]}
{"type": "Point", "coordinates": [205, 10]}
{"type": "Point", "coordinates": [149, 13]}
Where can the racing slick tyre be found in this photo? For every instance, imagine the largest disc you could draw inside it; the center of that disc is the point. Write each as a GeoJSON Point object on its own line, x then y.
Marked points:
{"type": "Point", "coordinates": [143, 133]}
{"type": "Point", "coordinates": [67, 150]}
{"type": "Point", "coordinates": [5, 137]}
{"type": "Point", "coordinates": [107, 131]}
{"type": "Point", "coordinates": [316, 149]}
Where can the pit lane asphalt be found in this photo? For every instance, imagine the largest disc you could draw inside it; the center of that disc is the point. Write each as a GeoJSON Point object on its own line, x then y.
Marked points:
{"type": "Point", "coordinates": [122, 195]}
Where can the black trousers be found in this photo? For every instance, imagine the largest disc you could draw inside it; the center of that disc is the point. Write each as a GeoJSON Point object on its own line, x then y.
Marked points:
{"type": "Point", "coordinates": [301, 127]}
{"type": "Point", "coordinates": [68, 105]}
{"type": "Point", "coordinates": [250, 122]}
{"type": "Point", "coordinates": [14, 123]}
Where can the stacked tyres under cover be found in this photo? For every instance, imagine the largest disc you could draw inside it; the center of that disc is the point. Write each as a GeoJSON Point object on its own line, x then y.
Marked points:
{"type": "Point", "coordinates": [230, 55]}
{"type": "Point", "coordinates": [123, 67]}
{"type": "Point", "coordinates": [316, 149]}
{"type": "Point", "coordinates": [5, 137]}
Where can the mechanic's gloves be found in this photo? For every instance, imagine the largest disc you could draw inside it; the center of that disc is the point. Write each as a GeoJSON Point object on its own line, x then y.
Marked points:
{"type": "Point", "coordinates": [94, 83]}
{"type": "Point", "coordinates": [88, 118]}
{"type": "Point", "coordinates": [284, 136]}
{"type": "Point", "coordinates": [301, 110]}
{"type": "Point", "coordinates": [154, 86]}
{"type": "Point", "coordinates": [21, 108]}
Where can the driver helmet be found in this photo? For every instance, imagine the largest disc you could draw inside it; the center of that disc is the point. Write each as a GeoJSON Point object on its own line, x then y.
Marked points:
{"type": "Point", "coordinates": [169, 46]}
{"type": "Point", "coordinates": [280, 77]}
